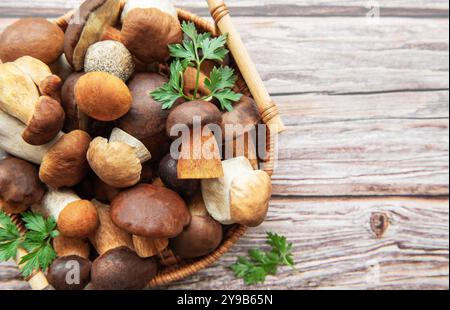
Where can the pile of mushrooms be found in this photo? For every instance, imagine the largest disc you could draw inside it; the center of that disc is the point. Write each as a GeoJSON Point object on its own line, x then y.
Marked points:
{"type": "Point", "coordinates": [82, 141]}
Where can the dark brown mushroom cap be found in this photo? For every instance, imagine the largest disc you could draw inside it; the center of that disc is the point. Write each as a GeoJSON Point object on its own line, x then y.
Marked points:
{"type": "Point", "coordinates": [69, 103]}
{"type": "Point", "coordinates": [146, 117]}
{"type": "Point", "coordinates": [201, 237]}
{"type": "Point", "coordinates": [169, 175]}
{"type": "Point", "coordinates": [19, 182]}
{"type": "Point", "coordinates": [65, 164]}
{"type": "Point", "coordinates": [245, 113]}
{"type": "Point", "coordinates": [35, 37]}
{"type": "Point", "coordinates": [122, 269]}
{"type": "Point", "coordinates": [65, 268]}
{"type": "Point", "coordinates": [158, 145]}
{"type": "Point", "coordinates": [147, 32]}
{"type": "Point", "coordinates": [46, 123]}
{"type": "Point", "coordinates": [150, 211]}
{"type": "Point", "coordinates": [184, 115]}
{"type": "Point", "coordinates": [86, 28]}
{"type": "Point", "coordinates": [104, 192]}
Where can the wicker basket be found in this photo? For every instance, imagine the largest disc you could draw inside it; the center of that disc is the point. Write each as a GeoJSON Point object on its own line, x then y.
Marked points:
{"type": "Point", "coordinates": [172, 268]}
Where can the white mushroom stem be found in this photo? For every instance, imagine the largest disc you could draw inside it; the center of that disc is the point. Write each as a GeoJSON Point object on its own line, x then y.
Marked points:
{"type": "Point", "coordinates": [34, 68]}
{"type": "Point", "coordinates": [165, 6]}
{"type": "Point", "coordinates": [11, 140]}
{"type": "Point", "coordinates": [121, 136]}
{"type": "Point", "coordinates": [54, 202]}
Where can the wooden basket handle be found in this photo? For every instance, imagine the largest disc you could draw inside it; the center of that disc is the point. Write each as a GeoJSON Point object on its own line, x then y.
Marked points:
{"type": "Point", "coordinates": [267, 106]}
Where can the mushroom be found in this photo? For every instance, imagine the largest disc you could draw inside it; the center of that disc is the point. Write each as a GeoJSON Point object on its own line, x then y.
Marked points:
{"type": "Point", "coordinates": [111, 57]}
{"type": "Point", "coordinates": [63, 160]}
{"type": "Point", "coordinates": [150, 212]}
{"type": "Point", "coordinates": [118, 267]}
{"type": "Point", "coordinates": [35, 37]}
{"type": "Point", "coordinates": [75, 119]}
{"type": "Point", "coordinates": [61, 67]}
{"type": "Point", "coordinates": [20, 186]}
{"type": "Point", "coordinates": [146, 119]}
{"type": "Point", "coordinates": [72, 269]}
{"type": "Point", "coordinates": [190, 79]}
{"type": "Point", "coordinates": [241, 196]}
{"type": "Point", "coordinates": [200, 156]}
{"type": "Point", "coordinates": [102, 96]}
{"type": "Point", "coordinates": [20, 98]}
{"type": "Point", "coordinates": [148, 27]}
{"type": "Point", "coordinates": [87, 26]}
{"type": "Point", "coordinates": [75, 218]}
{"type": "Point", "coordinates": [169, 175]}
{"type": "Point", "coordinates": [201, 237]}
{"type": "Point", "coordinates": [118, 162]}
{"type": "Point", "coordinates": [104, 192]}
{"type": "Point", "coordinates": [239, 127]}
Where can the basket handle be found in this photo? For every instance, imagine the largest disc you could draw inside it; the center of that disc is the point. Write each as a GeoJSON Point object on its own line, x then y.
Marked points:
{"type": "Point", "coordinates": [269, 111]}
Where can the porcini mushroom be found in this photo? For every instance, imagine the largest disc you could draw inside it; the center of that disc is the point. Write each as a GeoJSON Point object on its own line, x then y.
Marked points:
{"type": "Point", "coordinates": [148, 27]}
{"type": "Point", "coordinates": [20, 186]}
{"type": "Point", "coordinates": [202, 236]}
{"type": "Point", "coordinates": [35, 37]}
{"type": "Point", "coordinates": [200, 156]}
{"type": "Point", "coordinates": [149, 212]}
{"type": "Point", "coordinates": [111, 57]}
{"type": "Point", "coordinates": [75, 119]}
{"type": "Point", "coordinates": [118, 267]}
{"type": "Point", "coordinates": [75, 218]}
{"type": "Point", "coordinates": [72, 269]}
{"type": "Point", "coordinates": [190, 79]}
{"type": "Point", "coordinates": [118, 162]}
{"type": "Point", "coordinates": [241, 196]}
{"type": "Point", "coordinates": [102, 96]}
{"type": "Point", "coordinates": [168, 173]}
{"type": "Point", "coordinates": [20, 98]}
{"type": "Point", "coordinates": [63, 160]}
{"type": "Point", "coordinates": [87, 26]}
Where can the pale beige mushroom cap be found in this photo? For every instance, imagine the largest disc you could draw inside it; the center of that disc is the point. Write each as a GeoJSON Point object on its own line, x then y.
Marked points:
{"type": "Point", "coordinates": [241, 196]}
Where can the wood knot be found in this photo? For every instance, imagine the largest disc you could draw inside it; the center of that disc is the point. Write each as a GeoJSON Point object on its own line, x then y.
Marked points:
{"type": "Point", "coordinates": [379, 223]}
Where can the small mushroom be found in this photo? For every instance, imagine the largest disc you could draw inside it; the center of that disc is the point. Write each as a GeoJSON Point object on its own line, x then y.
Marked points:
{"type": "Point", "coordinates": [21, 98]}
{"type": "Point", "coordinates": [118, 162]}
{"type": "Point", "coordinates": [200, 156]}
{"type": "Point", "coordinates": [118, 267]}
{"type": "Point", "coordinates": [87, 26]}
{"type": "Point", "coordinates": [168, 173]}
{"type": "Point", "coordinates": [72, 269]}
{"type": "Point", "coordinates": [201, 237]}
{"type": "Point", "coordinates": [102, 96]}
{"type": "Point", "coordinates": [75, 119]}
{"type": "Point", "coordinates": [241, 196]}
{"type": "Point", "coordinates": [111, 57]}
{"type": "Point", "coordinates": [35, 37]}
{"type": "Point", "coordinates": [20, 186]}
{"type": "Point", "coordinates": [148, 27]}
{"type": "Point", "coordinates": [63, 160]}
{"type": "Point", "coordinates": [190, 79]}
{"type": "Point", "coordinates": [75, 218]}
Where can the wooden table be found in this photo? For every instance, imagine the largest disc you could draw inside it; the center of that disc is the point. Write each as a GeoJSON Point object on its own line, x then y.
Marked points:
{"type": "Point", "coordinates": [361, 187]}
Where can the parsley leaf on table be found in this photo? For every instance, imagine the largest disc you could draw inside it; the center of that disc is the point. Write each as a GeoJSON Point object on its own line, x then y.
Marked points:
{"type": "Point", "coordinates": [260, 264]}
{"type": "Point", "coordinates": [9, 238]}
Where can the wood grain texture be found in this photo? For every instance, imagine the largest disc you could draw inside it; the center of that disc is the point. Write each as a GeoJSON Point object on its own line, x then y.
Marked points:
{"type": "Point", "coordinates": [335, 247]}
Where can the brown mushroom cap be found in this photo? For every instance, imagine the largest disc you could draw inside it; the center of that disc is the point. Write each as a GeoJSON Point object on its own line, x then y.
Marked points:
{"type": "Point", "coordinates": [103, 192]}
{"type": "Point", "coordinates": [201, 237]}
{"type": "Point", "coordinates": [245, 113]}
{"type": "Point", "coordinates": [184, 115]}
{"type": "Point", "coordinates": [102, 96]}
{"type": "Point", "coordinates": [20, 186]}
{"type": "Point", "coordinates": [146, 117]}
{"type": "Point", "coordinates": [122, 269]}
{"type": "Point", "coordinates": [46, 123]}
{"type": "Point", "coordinates": [78, 219]}
{"type": "Point", "coordinates": [147, 32]}
{"type": "Point", "coordinates": [168, 173]}
{"type": "Point", "coordinates": [64, 268]}
{"type": "Point", "coordinates": [86, 28]}
{"type": "Point", "coordinates": [69, 103]}
{"type": "Point", "coordinates": [36, 37]}
{"type": "Point", "coordinates": [65, 165]}
{"type": "Point", "coordinates": [150, 211]}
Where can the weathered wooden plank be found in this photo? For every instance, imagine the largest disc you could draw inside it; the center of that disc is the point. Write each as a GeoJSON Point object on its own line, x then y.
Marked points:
{"type": "Point", "coordinates": [420, 8]}
{"type": "Point", "coordinates": [380, 144]}
{"type": "Point", "coordinates": [336, 246]}
{"type": "Point", "coordinates": [346, 55]}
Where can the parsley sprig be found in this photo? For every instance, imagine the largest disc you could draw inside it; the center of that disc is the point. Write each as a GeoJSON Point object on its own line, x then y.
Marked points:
{"type": "Point", "coordinates": [37, 241]}
{"type": "Point", "coordinates": [193, 52]}
{"type": "Point", "coordinates": [260, 264]}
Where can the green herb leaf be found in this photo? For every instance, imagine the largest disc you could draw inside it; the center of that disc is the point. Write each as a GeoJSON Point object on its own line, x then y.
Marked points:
{"type": "Point", "coordinates": [10, 238]}
{"type": "Point", "coordinates": [260, 263]}
{"type": "Point", "coordinates": [214, 49]}
{"type": "Point", "coordinates": [170, 92]}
